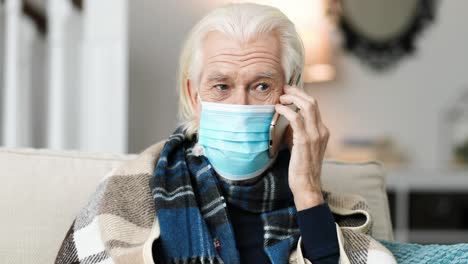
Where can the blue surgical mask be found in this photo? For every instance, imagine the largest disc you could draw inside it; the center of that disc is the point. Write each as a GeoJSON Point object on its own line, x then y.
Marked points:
{"type": "Point", "coordinates": [235, 138]}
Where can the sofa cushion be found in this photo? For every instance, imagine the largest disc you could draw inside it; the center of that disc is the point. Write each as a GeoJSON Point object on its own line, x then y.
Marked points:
{"type": "Point", "coordinates": [40, 195]}
{"type": "Point", "coordinates": [43, 190]}
{"type": "Point", "coordinates": [366, 179]}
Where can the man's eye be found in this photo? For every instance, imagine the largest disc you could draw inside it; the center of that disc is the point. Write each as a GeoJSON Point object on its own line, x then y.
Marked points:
{"type": "Point", "coordinates": [262, 87]}
{"type": "Point", "coordinates": [221, 87]}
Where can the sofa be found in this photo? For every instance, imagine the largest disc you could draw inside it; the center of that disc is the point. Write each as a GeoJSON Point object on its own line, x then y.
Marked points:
{"type": "Point", "coordinates": [42, 191]}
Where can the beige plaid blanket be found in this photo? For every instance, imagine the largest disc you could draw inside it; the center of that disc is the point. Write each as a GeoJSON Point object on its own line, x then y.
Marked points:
{"type": "Point", "coordinates": [119, 224]}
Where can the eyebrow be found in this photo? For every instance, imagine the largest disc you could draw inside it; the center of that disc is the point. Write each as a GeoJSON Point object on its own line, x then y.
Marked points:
{"type": "Point", "coordinates": [267, 74]}
{"type": "Point", "coordinates": [216, 76]}
{"type": "Point", "coordinates": [219, 76]}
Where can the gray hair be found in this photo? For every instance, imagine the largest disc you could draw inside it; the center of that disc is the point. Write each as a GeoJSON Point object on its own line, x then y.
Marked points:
{"type": "Point", "coordinates": [243, 22]}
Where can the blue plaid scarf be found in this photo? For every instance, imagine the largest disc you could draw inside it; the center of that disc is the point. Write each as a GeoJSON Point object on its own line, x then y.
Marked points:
{"type": "Point", "coordinates": [192, 213]}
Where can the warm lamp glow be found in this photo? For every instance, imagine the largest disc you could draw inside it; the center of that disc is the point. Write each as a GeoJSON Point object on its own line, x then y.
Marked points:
{"type": "Point", "coordinates": [319, 73]}
{"type": "Point", "coordinates": [318, 53]}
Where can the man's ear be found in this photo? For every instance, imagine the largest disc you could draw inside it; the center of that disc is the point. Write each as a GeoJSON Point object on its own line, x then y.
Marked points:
{"type": "Point", "coordinates": [193, 95]}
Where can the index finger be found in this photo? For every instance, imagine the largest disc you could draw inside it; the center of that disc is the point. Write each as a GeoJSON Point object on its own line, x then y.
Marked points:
{"type": "Point", "coordinates": [301, 93]}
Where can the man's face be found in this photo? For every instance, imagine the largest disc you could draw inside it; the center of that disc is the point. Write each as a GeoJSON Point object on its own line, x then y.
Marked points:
{"type": "Point", "coordinates": [239, 74]}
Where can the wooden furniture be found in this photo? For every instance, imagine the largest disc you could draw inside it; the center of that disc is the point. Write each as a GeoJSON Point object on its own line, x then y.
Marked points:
{"type": "Point", "coordinates": [429, 206]}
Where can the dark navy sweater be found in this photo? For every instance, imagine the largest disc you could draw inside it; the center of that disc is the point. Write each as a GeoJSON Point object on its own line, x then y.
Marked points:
{"type": "Point", "coordinates": [316, 225]}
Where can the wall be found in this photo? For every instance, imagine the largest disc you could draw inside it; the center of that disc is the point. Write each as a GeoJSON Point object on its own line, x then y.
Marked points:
{"type": "Point", "coordinates": [404, 103]}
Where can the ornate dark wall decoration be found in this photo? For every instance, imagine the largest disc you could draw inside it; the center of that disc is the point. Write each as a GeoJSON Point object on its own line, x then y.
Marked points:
{"type": "Point", "coordinates": [383, 54]}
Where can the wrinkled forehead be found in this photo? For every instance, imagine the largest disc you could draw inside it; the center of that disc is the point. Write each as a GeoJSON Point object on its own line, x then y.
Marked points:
{"type": "Point", "coordinates": [223, 55]}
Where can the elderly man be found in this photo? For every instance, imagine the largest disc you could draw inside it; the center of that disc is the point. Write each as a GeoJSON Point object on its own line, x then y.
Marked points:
{"type": "Point", "coordinates": [215, 191]}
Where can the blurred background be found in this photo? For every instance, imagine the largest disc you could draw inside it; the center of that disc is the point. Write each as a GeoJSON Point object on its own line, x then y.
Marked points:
{"type": "Point", "coordinates": [390, 77]}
